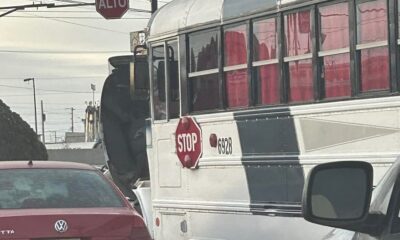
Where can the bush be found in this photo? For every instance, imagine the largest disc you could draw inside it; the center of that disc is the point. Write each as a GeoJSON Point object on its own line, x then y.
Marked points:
{"type": "Point", "coordinates": [18, 141]}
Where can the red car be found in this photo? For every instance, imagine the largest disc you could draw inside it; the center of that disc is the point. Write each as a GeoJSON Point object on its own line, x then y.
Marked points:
{"type": "Point", "coordinates": [60, 200]}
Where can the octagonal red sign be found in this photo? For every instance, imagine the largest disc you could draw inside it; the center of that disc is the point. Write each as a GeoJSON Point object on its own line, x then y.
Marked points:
{"type": "Point", "coordinates": [188, 142]}
{"type": "Point", "coordinates": [112, 9]}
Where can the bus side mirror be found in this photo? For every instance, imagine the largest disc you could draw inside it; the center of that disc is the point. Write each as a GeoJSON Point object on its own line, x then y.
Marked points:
{"type": "Point", "coordinates": [139, 77]}
{"type": "Point", "coordinates": [338, 194]}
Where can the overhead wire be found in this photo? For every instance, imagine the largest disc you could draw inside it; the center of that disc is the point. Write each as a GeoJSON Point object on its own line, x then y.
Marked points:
{"type": "Point", "coordinates": [69, 17]}
{"type": "Point", "coordinates": [61, 52]}
{"type": "Point", "coordinates": [50, 78]}
{"type": "Point", "coordinates": [79, 24]}
{"type": "Point", "coordinates": [45, 90]}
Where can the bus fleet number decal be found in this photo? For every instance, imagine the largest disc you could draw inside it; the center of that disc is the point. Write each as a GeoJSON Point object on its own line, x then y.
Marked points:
{"type": "Point", "coordinates": [225, 146]}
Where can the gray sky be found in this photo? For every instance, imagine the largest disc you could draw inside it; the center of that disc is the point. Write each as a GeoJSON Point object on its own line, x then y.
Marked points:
{"type": "Point", "coordinates": [65, 50]}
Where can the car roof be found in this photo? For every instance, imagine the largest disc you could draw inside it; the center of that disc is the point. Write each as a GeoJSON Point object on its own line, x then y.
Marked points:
{"type": "Point", "coordinates": [27, 164]}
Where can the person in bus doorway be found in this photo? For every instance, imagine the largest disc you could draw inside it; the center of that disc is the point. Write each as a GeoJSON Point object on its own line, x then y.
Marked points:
{"type": "Point", "coordinates": [116, 114]}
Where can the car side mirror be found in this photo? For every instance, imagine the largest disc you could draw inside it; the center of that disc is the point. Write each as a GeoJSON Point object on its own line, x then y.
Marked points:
{"type": "Point", "coordinates": [338, 194]}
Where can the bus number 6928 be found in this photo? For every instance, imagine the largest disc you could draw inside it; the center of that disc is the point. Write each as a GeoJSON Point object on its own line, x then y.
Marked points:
{"type": "Point", "coordinates": [225, 146]}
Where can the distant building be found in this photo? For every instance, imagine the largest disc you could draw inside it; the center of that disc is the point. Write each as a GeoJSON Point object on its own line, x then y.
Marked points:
{"type": "Point", "coordinates": [74, 137]}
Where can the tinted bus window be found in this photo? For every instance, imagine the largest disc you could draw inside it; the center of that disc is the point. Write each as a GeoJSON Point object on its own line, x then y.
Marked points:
{"type": "Point", "coordinates": [203, 50]}
{"type": "Point", "coordinates": [204, 84]}
{"type": "Point", "coordinates": [205, 92]}
{"type": "Point", "coordinates": [298, 33]}
{"type": "Point", "coordinates": [374, 58]}
{"type": "Point", "coordinates": [159, 83]}
{"type": "Point", "coordinates": [371, 21]}
{"type": "Point", "coordinates": [235, 48]}
{"type": "Point", "coordinates": [236, 77]}
{"type": "Point", "coordinates": [299, 44]}
{"type": "Point", "coordinates": [374, 69]}
{"type": "Point", "coordinates": [173, 70]}
{"type": "Point", "coordinates": [337, 75]}
{"type": "Point", "coordinates": [301, 80]}
{"type": "Point", "coordinates": [266, 68]}
{"type": "Point", "coordinates": [334, 36]}
{"type": "Point", "coordinates": [334, 21]}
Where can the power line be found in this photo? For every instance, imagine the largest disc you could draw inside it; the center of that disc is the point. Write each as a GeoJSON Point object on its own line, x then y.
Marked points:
{"type": "Point", "coordinates": [46, 90]}
{"type": "Point", "coordinates": [68, 17]}
{"type": "Point", "coordinates": [79, 24]}
{"type": "Point", "coordinates": [9, 86]}
{"type": "Point", "coordinates": [59, 52]}
{"type": "Point", "coordinates": [57, 11]}
{"type": "Point", "coordinates": [57, 104]}
{"type": "Point", "coordinates": [79, 11]}
{"type": "Point", "coordinates": [43, 94]}
{"type": "Point", "coordinates": [69, 1]}
{"type": "Point", "coordinates": [50, 78]}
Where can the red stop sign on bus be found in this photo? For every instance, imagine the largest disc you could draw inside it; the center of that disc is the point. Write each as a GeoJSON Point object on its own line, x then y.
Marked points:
{"type": "Point", "coordinates": [188, 142]}
{"type": "Point", "coordinates": [112, 9]}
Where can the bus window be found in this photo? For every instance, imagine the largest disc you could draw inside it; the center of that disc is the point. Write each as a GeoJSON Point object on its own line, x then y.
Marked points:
{"type": "Point", "coordinates": [298, 56]}
{"type": "Point", "coordinates": [173, 89]}
{"type": "Point", "coordinates": [372, 45]}
{"type": "Point", "coordinates": [266, 68]}
{"type": "Point", "coordinates": [334, 50]}
{"type": "Point", "coordinates": [204, 85]}
{"type": "Point", "coordinates": [203, 50]}
{"type": "Point", "coordinates": [159, 83]}
{"type": "Point", "coordinates": [235, 55]}
{"type": "Point", "coordinates": [398, 17]}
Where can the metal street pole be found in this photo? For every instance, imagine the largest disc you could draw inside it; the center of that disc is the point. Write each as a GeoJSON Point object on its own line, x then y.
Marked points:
{"type": "Point", "coordinates": [43, 120]}
{"type": "Point", "coordinates": [34, 99]}
{"type": "Point", "coordinates": [72, 118]}
{"type": "Point", "coordinates": [93, 87]}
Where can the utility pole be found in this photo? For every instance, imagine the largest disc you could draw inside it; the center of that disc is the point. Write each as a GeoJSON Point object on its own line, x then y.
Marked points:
{"type": "Point", "coordinates": [72, 118]}
{"type": "Point", "coordinates": [93, 87]}
{"type": "Point", "coordinates": [43, 120]}
{"type": "Point", "coordinates": [34, 100]}
{"type": "Point", "coordinates": [154, 6]}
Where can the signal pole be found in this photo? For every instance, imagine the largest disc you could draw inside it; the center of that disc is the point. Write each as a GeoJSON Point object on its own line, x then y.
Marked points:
{"type": "Point", "coordinates": [34, 100]}
{"type": "Point", "coordinates": [72, 118]}
{"type": "Point", "coordinates": [43, 120]}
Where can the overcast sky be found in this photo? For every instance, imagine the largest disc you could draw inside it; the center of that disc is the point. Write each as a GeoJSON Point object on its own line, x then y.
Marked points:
{"type": "Point", "coordinates": [65, 50]}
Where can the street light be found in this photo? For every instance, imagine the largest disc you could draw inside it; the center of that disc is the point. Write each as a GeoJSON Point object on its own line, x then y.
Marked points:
{"type": "Point", "coordinates": [93, 87]}
{"type": "Point", "coordinates": [34, 99]}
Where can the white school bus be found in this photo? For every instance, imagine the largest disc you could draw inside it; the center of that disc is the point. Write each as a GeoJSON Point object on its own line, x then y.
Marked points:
{"type": "Point", "coordinates": [247, 96]}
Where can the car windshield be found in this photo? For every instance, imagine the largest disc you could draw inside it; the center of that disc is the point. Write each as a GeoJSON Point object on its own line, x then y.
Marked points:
{"type": "Point", "coordinates": [55, 188]}
{"type": "Point", "coordinates": [382, 193]}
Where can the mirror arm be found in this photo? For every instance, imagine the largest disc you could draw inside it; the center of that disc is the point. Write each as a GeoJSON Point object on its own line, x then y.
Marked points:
{"type": "Point", "coordinates": [373, 224]}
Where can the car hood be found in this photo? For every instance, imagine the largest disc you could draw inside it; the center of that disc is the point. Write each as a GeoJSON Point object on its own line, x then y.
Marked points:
{"type": "Point", "coordinates": [96, 223]}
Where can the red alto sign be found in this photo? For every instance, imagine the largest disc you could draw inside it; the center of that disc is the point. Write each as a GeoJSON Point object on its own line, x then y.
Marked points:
{"type": "Point", "coordinates": [188, 142]}
{"type": "Point", "coordinates": [112, 9]}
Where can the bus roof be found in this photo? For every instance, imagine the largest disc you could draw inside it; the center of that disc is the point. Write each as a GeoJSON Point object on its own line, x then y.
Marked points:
{"type": "Point", "coordinates": [185, 14]}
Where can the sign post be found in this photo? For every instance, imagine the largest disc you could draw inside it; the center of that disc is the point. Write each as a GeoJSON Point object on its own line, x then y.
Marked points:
{"type": "Point", "coordinates": [188, 142]}
{"type": "Point", "coordinates": [112, 9]}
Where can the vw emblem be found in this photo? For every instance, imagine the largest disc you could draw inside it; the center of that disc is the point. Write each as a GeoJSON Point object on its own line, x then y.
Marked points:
{"type": "Point", "coordinates": [61, 226]}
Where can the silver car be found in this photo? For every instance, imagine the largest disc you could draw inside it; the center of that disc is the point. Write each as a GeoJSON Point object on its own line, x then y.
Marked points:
{"type": "Point", "coordinates": [340, 195]}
